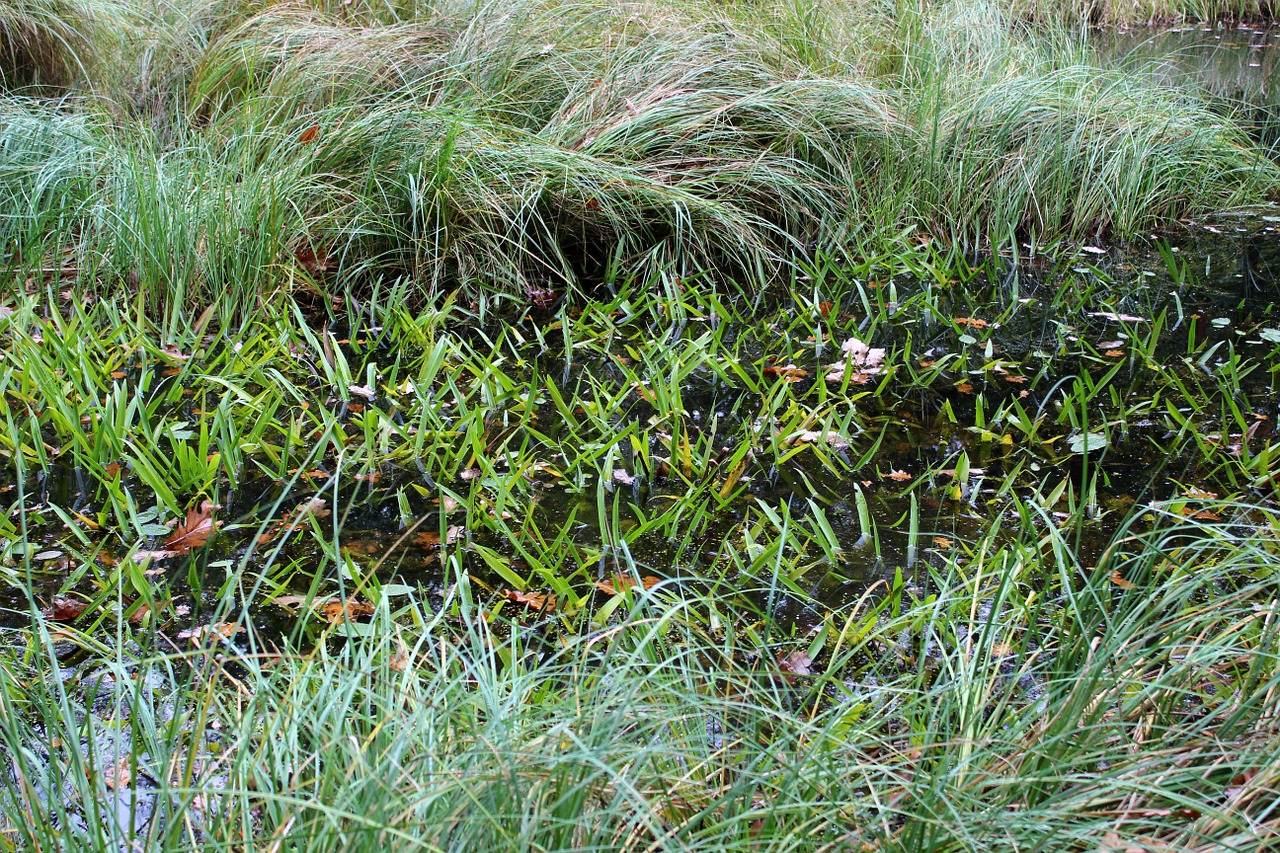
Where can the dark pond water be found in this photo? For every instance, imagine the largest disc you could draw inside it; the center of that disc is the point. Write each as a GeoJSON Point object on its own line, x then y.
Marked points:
{"type": "Point", "coordinates": [1237, 65]}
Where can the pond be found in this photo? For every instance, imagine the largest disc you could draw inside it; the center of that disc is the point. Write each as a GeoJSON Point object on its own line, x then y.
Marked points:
{"type": "Point", "coordinates": [1237, 65]}
{"type": "Point", "coordinates": [669, 436]}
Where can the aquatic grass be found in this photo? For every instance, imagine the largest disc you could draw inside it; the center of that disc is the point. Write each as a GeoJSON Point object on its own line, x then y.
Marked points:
{"type": "Point", "coordinates": [991, 688]}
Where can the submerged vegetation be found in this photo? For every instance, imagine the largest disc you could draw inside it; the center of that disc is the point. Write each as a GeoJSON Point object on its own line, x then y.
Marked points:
{"type": "Point", "coordinates": [649, 426]}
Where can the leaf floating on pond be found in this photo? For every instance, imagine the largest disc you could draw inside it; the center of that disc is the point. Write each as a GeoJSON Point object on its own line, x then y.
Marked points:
{"type": "Point", "coordinates": [217, 631]}
{"type": "Point", "coordinates": [337, 611]}
{"type": "Point", "coordinates": [536, 600]}
{"type": "Point", "coordinates": [1118, 318]}
{"type": "Point", "coordinates": [794, 665]}
{"type": "Point", "coordinates": [65, 609]}
{"type": "Point", "coordinates": [621, 583]}
{"type": "Point", "coordinates": [192, 533]}
{"type": "Point", "coordinates": [786, 372]}
{"type": "Point", "coordinates": [1086, 442]}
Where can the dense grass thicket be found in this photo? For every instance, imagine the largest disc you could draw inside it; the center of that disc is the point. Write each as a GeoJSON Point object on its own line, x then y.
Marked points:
{"type": "Point", "coordinates": [224, 150]}
{"type": "Point", "coordinates": [586, 425]}
{"type": "Point", "coordinates": [1069, 673]}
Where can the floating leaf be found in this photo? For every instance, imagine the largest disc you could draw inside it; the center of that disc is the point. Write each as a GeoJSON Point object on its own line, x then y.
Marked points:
{"type": "Point", "coordinates": [192, 533]}
{"type": "Point", "coordinates": [794, 665]}
{"type": "Point", "coordinates": [786, 372]}
{"type": "Point", "coordinates": [336, 610]}
{"type": "Point", "coordinates": [900, 476]}
{"type": "Point", "coordinates": [536, 600]}
{"type": "Point", "coordinates": [1086, 442]}
{"type": "Point", "coordinates": [862, 356]}
{"type": "Point", "coordinates": [621, 583]}
{"type": "Point", "coordinates": [65, 609]}
{"type": "Point", "coordinates": [620, 475]}
{"type": "Point", "coordinates": [1117, 318]}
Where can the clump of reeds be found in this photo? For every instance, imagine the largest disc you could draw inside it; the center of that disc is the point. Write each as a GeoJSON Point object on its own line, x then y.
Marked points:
{"type": "Point", "coordinates": [46, 45]}
{"type": "Point", "coordinates": [542, 145]}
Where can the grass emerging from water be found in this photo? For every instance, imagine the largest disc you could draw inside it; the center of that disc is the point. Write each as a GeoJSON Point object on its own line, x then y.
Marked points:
{"type": "Point", "coordinates": [674, 572]}
{"type": "Point", "coordinates": [583, 426]}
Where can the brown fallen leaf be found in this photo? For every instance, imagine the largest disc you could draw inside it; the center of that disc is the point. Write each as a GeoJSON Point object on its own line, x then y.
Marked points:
{"type": "Point", "coordinates": [794, 665]}
{"type": "Point", "coordinates": [900, 476]}
{"type": "Point", "coordinates": [313, 259]}
{"type": "Point", "coordinates": [1120, 580]}
{"type": "Point", "coordinates": [190, 534]}
{"type": "Point", "coordinates": [787, 372]}
{"type": "Point", "coordinates": [65, 609]}
{"type": "Point", "coordinates": [217, 631]}
{"type": "Point", "coordinates": [309, 135]}
{"type": "Point", "coordinates": [536, 600]}
{"type": "Point", "coordinates": [338, 611]}
{"type": "Point", "coordinates": [427, 539]}
{"type": "Point", "coordinates": [620, 583]}
{"type": "Point", "coordinates": [118, 775]}
{"type": "Point", "coordinates": [971, 322]}
{"type": "Point", "coordinates": [195, 531]}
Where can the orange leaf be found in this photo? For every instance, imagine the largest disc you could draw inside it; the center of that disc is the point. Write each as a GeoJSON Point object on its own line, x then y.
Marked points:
{"type": "Point", "coordinates": [536, 600]}
{"type": "Point", "coordinates": [194, 532]}
{"type": "Point", "coordinates": [337, 611]}
{"type": "Point", "coordinates": [309, 135]}
{"type": "Point", "coordinates": [65, 609]}
{"type": "Point", "coordinates": [789, 372]}
{"type": "Point", "coordinates": [624, 582]}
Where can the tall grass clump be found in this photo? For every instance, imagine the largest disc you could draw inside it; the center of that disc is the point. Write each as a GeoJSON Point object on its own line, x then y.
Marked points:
{"type": "Point", "coordinates": [1020, 701]}
{"type": "Point", "coordinates": [1140, 12]}
{"type": "Point", "coordinates": [1021, 139]}
{"type": "Point", "coordinates": [532, 146]}
{"type": "Point", "coordinates": [46, 45]}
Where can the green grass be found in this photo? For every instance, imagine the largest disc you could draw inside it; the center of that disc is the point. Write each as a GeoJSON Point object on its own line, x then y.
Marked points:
{"type": "Point", "coordinates": [457, 316]}
{"type": "Point", "coordinates": [1025, 663]}
{"type": "Point", "coordinates": [214, 156]}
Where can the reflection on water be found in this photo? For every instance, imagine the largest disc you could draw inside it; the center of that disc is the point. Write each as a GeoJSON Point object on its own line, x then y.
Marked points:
{"type": "Point", "coordinates": [1235, 65]}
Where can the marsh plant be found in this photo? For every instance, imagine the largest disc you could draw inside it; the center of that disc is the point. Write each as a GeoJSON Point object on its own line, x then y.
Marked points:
{"type": "Point", "coordinates": [592, 425]}
{"type": "Point", "coordinates": [224, 151]}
